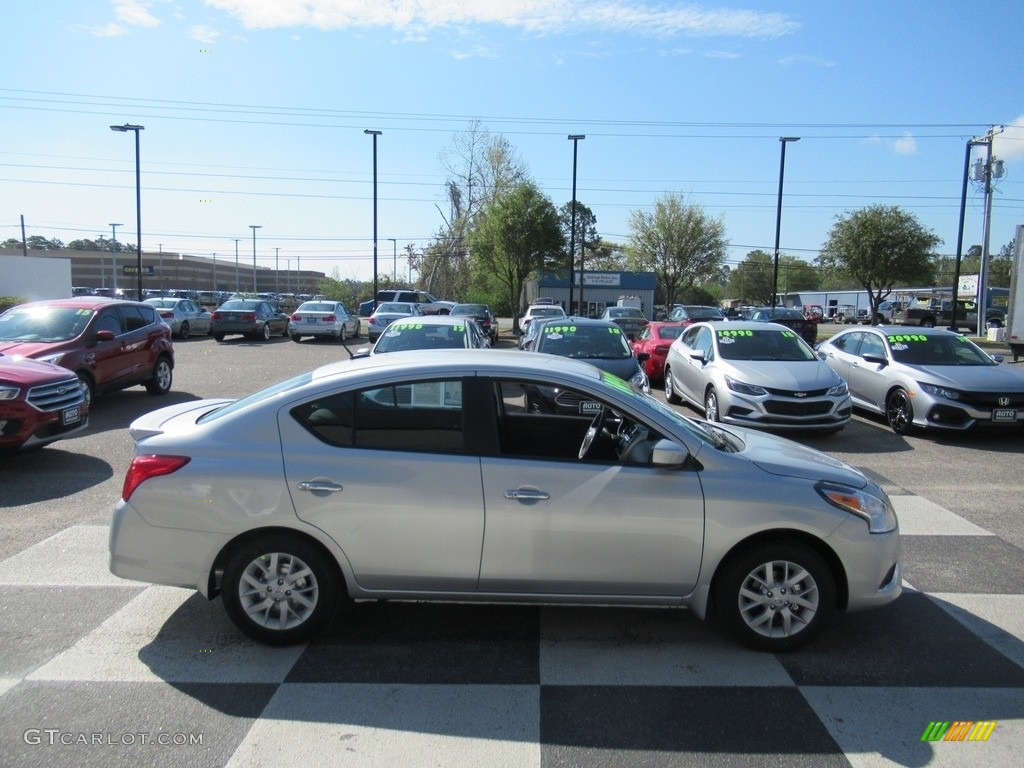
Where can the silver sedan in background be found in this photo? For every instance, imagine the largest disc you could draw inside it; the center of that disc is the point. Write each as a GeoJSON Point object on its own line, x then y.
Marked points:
{"type": "Point", "coordinates": [185, 316]}
{"type": "Point", "coordinates": [319, 319]}
{"type": "Point", "coordinates": [756, 375]}
{"type": "Point", "coordinates": [388, 312]}
{"type": "Point", "coordinates": [926, 377]}
{"type": "Point", "coordinates": [450, 475]}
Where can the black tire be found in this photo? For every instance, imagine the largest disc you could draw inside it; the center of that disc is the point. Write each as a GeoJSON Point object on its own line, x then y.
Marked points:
{"type": "Point", "coordinates": [87, 387]}
{"type": "Point", "coordinates": [218, 337]}
{"type": "Point", "coordinates": [342, 335]}
{"type": "Point", "coordinates": [256, 576]}
{"type": "Point", "coordinates": [670, 392]}
{"type": "Point", "coordinates": [296, 338]}
{"type": "Point", "coordinates": [776, 596]}
{"type": "Point", "coordinates": [899, 412]}
{"type": "Point", "coordinates": [928, 322]}
{"type": "Point", "coordinates": [265, 332]}
{"type": "Point", "coordinates": [183, 331]}
{"type": "Point", "coordinates": [163, 375]}
{"type": "Point", "coordinates": [711, 406]}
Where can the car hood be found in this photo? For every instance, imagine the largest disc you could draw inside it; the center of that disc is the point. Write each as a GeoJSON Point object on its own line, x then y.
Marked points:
{"type": "Point", "coordinates": [786, 458]}
{"type": "Point", "coordinates": [24, 372]}
{"type": "Point", "coordinates": [1002, 377]}
{"type": "Point", "coordinates": [29, 348]}
{"type": "Point", "coordinates": [792, 376]}
{"type": "Point", "coordinates": [172, 418]}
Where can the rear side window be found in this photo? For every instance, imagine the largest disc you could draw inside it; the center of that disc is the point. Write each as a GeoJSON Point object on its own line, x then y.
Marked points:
{"type": "Point", "coordinates": [418, 416]}
{"type": "Point", "coordinates": [134, 318]}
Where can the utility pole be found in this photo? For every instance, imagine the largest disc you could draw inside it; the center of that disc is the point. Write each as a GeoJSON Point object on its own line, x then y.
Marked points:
{"type": "Point", "coordinates": [984, 171]}
{"type": "Point", "coordinates": [277, 270]}
{"type": "Point", "coordinates": [113, 253]}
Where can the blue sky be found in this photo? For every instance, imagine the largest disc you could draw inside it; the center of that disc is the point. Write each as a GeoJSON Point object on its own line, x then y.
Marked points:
{"type": "Point", "coordinates": [254, 112]}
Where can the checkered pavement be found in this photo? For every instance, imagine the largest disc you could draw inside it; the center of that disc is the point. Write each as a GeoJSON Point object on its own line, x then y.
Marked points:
{"type": "Point", "coordinates": [96, 671]}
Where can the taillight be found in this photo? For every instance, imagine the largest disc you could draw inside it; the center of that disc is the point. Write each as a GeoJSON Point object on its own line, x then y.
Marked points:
{"type": "Point", "coordinates": [167, 315]}
{"type": "Point", "coordinates": [144, 467]}
{"type": "Point", "coordinates": [215, 316]}
{"type": "Point", "coordinates": [250, 317]}
{"type": "Point", "coordinates": [296, 318]}
{"type": "Point", "coordinates": [662, 349]}
{"type": "Point", "coordinates": [330, 319]}
{"type": "Point", "coordinates": [372, 321]}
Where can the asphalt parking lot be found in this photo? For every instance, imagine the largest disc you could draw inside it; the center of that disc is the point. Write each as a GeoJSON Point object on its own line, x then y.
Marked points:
{"type": "Point", "coordinates": [85, 653]}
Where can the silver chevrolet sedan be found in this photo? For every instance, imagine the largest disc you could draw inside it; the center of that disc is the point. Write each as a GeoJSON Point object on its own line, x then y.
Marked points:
{"type": "Point", "coordinates": [462, 476]}
{"type": "Point", "coordinates": [755, 374]}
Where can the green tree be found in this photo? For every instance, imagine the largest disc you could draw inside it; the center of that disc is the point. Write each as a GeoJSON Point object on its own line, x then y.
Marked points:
{"type": "Point", "coordinates": [880, 247]}
{"type": "Point", "coordinates": [751, 281]}
{"type": "Point", "coordinates": [678, 242]}
{"type": "Point", "coordinates": [587, 239]}
{"type": "Point", "coordinates": [516, 235]}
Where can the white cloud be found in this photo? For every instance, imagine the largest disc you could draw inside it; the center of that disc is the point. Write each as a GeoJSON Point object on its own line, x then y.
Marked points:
{"type": "Point", "coordinates": [905, 145]}
{"type": "Point", "coordinates": [722, 55]}
{"type": "Point", "coordinates": [641, 17]}
{"type": "Point", "coordinates": [203, 34]}
{"type": "Point", "coordinates": [135, 12]}
{"type": "Point", "coordinates": [110, 30]}
{"type": "Point", "coordinates": [814, 61]}
{"type": "Point", "coordinates": [1009, 145]}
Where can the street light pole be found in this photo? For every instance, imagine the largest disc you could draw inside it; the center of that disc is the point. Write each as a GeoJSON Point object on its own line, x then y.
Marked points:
{"type": "Point", "coordinates": [254, 227]}
{"type": "Point", "coordinates": [237, 283]}
{"type": "Point", "coordinates": [784, 140]}
{"type": "Point", "coordinates": [113, 252]}
{"type": "Point", "coordinates": [375, 134]}
{"type": "Point", "coordinates": [138, 203]}
{"type": "Point", "coordinates": [575, 139]}
{"type": "Point", "coordinates": [277, 270]}
{"type": "Point", "coordinates": [394, 263]}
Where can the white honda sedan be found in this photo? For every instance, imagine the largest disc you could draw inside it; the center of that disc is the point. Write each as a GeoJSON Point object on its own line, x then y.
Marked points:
{"type": "Point", "coordinates": [462, 476]}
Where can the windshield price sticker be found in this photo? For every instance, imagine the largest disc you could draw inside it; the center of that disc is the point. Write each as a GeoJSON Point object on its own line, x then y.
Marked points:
{"type": "Point", "coordinates": [559, 329]}
{"type": "Point", "coordinates": [733, 334]}
{"type": "Point", "coordinates": [907, 337]}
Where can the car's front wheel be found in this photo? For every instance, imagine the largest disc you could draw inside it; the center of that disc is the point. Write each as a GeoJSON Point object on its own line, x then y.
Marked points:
{"type": "Point", "coordinates": [163, 373]}
{"type": "Point", "coordinates": [775, 596]}
{"type": "Point", "coordinates": [711, 406]}
{"type": "Point", "coordinates": [670, 391]}
{"type": "Point", "coordinates": [899, 412]}
{"type": "Point", "coordinates": [280, 589]}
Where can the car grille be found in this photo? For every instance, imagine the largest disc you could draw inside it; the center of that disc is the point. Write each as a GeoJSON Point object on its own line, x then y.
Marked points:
{"type": "Point", "coordinates": [801, 408]}
{"type": "Point", "coordinates": [57, 396]}
{"type": "Point", "coordinates": [991, 399]}
{"type": "Point", "coordinates": [792, 392]}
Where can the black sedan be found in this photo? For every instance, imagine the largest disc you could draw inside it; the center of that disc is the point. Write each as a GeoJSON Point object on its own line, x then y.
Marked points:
{"type": "Point", "coordinates": [252, 318]}
{"type": "Point", "coordinates": [791, 318]}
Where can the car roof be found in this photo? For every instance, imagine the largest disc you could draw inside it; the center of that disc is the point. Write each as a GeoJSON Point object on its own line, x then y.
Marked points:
{"type": "Point", "coordinates": [81, 302]}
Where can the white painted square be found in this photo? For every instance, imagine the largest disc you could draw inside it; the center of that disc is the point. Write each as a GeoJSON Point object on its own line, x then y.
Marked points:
{"type": "Point", "coordinates": [78, 557]}
{"type": "Point", "coordinates": [920, 517]}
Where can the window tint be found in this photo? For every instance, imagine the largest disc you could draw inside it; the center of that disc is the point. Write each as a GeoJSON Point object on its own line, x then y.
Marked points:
{"type": "Point", "coordinates": [420, 416]}
{"type": "Point", "coordinates": [872, 345]}
{"type": "Point", "coordinates": [109, 321]}
{"type": "Point", "coordinates": [133, 318]}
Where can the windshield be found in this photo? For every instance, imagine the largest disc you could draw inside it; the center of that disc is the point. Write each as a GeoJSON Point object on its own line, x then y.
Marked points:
{"type": "Point", "coordinates": [406, 335]}
{"type": "Point", "coordinates": [546, 312]}
{"type": "Point", "coordinates": [238, 305]}
{"type": "Point", "coordinates": [47, 324]}
{"type": "Point", "coordinates": [588, 342]}
{"type": "Point", "coordinates": [763, 345]}
{"type": "Point", "coordinates": [925, 349]}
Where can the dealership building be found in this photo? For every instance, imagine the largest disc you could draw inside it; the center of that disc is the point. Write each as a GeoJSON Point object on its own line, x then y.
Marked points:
{"type": "Point", "coordinates": [596, 291]}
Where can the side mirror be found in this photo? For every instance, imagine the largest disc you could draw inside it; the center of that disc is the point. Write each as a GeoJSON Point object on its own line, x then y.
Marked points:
{"type": "Point", "coordinates": [879, 359]}
{"type": "Point", "coordinates": [105, 335]}
{"type": "Point", "coordinates": [698, 356]}
{"type": "Point", "coordinates": [668, 454]}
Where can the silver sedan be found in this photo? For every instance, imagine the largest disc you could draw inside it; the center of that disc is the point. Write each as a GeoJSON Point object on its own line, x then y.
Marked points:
{"type": "Point", "coordinates": [926, 377]}
{"type": "Point", "coordinates": [185, 316]}
{"type": "Point", "coordinates": [466, 476]}
{"type": "Point", "coordinates": [757, 375]}
{"type": "Point", "coordinates": [321, 319]}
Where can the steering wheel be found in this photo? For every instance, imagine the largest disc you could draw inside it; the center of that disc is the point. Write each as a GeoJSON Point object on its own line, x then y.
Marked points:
{"type": "Point", "coordinates": [593, 430]}
{"type": "Point", "coordinates": [632, 453]}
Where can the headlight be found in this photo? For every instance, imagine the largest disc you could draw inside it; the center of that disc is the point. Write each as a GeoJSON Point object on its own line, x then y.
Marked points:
{"type": "Point", "coordinates": [744, 389]}
{"type": "Point", "coordinates": [943, 392]}
{"type": "Point", "coordinates": [9, 393]}
{"type": "Point", "coordinates": [639, 381]}
{"type": "Point", "coordinates": [876, 510]}
{"type": "Point", "coordinates": [55, 358]}
{"type": "Point", "coordinates": [839, 389]}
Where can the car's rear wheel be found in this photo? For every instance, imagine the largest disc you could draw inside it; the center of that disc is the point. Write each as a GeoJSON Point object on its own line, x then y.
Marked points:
{"type": "Point", "coordinates": [296, 337]}
{"type": "Point", "coordinates": [280, 589]}
{"type": "Point", "coordinates": [899, 412]}
{"type": "Point", "coordinates": [163, 374]}
{"type": "Point", "coordinates": [183, 331]}
{"type": "Point", "coordinates": [218, 337]}
{"type": "Point", "coordinates": [711, 406]}
{"type": "Point", "coordinates": [265, 332]}
{"type": "Point", "coordinates": [776, 596]}
{"type": "Point", "coordinates": [343, 334]}
{"type": "Point", "coordinates": [670, 390]}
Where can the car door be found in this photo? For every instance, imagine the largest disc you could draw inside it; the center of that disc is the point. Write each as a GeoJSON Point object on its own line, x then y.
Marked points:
{"type": "Point", "coordinates": [693, 376]}
{"type": "Point", "coordinates": [107, 357]}
{"type": "Point", "coordinates": [869, 381]}
{"type": "Point", "coordinates": [558, 525]}
{"type": "Point", "coordinates": [385, 473]}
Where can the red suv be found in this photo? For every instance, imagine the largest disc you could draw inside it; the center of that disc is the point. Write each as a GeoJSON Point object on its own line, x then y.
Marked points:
{"type": "Point", "coordinates": [39, 403]}
{"type": "Point", "coordinates": [108, 343]}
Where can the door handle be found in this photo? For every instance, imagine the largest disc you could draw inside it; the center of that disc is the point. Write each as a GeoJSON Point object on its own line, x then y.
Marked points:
{"type": "Point", "coordinates": [319, 485]}
{"type": "Point", "coordinates": [524, 494]}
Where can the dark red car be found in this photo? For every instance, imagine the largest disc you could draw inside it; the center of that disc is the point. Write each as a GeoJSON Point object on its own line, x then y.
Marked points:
{"type": "Point", "coordinates": [655, 339]}
{"type": "Point", "coordinates": [108, 343]}
{"type": "Point", "coordinates": [39, 403]}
